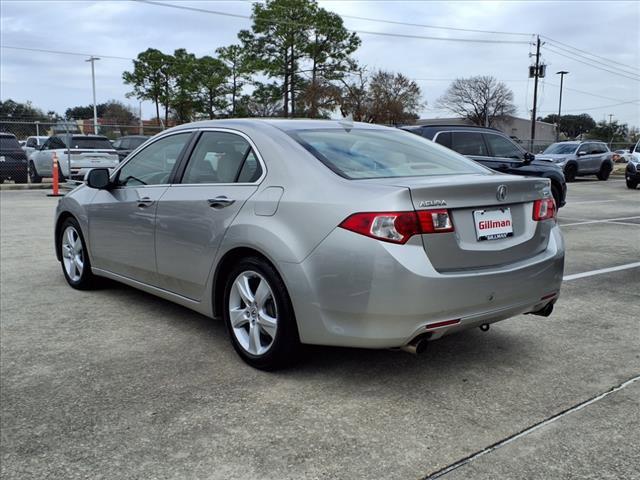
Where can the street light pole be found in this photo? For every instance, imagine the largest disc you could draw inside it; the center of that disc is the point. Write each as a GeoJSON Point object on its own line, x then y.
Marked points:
{"type": "Point", "coordinates": [562, 73]}
{"type": "Point", "coordinates": [92, 59]}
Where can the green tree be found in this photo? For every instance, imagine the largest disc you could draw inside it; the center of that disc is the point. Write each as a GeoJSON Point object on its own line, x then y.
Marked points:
{"type": "Point", "coordinates": [211, 75]}
{"type": "Point", "coordinates": [264, 101]}
{"type": "Point", "coordinates": [610, 132]}
{"type": "Point", "coordinates": [117, 113]}
{"type": "Point", "coordinates": [150, 79]}
{"type": "Point", "coordinates": [572, 126]}
{"type": "Point", "coordinates": [328, 50]}
{"type": "Point", "coordinates": [278, 41]}
{"type": "Point", "coordinates": [12, 110]}
{"type": "Point", "coordinates": [239, 73]}
{"type": "Point", "coordinates": [82, 112]}
{"type": "Point", "coordinates": [181, 89]}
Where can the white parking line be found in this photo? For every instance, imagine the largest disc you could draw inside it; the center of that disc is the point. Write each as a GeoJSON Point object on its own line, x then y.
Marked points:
{"type": "Point", "coordinates": [593, 201]}
{"type": "Point", "coordinates": [605, 220]}
{"type": "Point", "coordinates": [575, 276]}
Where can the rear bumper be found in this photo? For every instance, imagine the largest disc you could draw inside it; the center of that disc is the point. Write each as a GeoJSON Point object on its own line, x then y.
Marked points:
{"type": "Point", "coordinates": [359, 292]}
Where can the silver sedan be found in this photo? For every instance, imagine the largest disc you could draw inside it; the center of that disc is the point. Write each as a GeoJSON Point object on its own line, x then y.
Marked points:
{"type": "Point", "coordinates": [316, 232]}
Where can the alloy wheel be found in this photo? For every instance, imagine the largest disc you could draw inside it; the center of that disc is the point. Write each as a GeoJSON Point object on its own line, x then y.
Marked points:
{"type": "Point", "coordinates": [253, 313]}
{"type": "Point", "coordinates": [72, 254]}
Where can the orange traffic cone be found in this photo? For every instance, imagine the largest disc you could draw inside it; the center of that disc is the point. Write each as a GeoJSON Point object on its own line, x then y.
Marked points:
{"type": "Point", "coordinates": [55, 192]}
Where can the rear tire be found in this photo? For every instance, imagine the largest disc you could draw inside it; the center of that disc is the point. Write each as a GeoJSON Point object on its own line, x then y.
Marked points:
{"type": "Point", "coordinates": [570, 173]}
{"type": "Point", "coordinates": [259, 315]}
{"type": "Point", "coordinates": [632, 184]}
{"type": "Point", "coordinates": [33, 174]}
{"type": "Point", "coordinates": [605, 171]}
{"type": "Point", "coordinates": [76, 266]}
{"type": "Point", "coordinates": [555, 193]}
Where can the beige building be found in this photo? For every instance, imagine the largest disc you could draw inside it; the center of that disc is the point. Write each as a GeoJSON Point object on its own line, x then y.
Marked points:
{"type": "Point", "coordinates": [517, 128]}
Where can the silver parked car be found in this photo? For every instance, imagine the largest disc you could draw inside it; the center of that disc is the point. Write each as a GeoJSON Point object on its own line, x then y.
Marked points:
{"type": "Point", "coordinates": [580, 158]}
{"type": "Point", "coordinates": [316, 232]}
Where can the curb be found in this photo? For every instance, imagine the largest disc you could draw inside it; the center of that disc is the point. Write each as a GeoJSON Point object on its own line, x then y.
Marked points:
{"type": "Point", "coordinates": [30, 186]}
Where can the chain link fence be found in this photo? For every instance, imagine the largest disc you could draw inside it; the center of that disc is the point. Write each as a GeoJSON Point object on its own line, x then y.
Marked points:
{"type": "Point", "coordinates": [16, 156]}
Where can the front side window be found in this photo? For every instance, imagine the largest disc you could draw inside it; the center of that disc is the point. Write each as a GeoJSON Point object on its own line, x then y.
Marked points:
{"type": "Point", "coordinates": [31, 143]}
{"type": "Point", "coordinates": [381, 153]}
{"type": "Point", "coordinates": [501, 147]}
{"type": "Point", "coordinates": [154, 164]}
{"type": "Point", "coordinates": [469, 143]}
{"type": "Point", "coordinates": [221, 157]}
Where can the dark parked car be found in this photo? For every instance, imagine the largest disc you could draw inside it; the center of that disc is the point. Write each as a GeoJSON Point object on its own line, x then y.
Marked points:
{"type": "Point", "coordinates": [13, 160]}
{"type": "Point", "coordinates": [632, 172]}
{"type": "Point", "coordinates": [496, 151]}
{"type": "Point", "coordinates": [126, 145]}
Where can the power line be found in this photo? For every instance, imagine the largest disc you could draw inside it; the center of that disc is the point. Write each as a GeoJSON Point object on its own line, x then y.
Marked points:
{"type": "Point", "coordinates": [599, 67]}
{"type": "Point", "coordinates": [584, 51]}
{"type": "Point", "coordinates": [630, 72]}
{"type": "Point", "coordinates": [365, 32]}
{"type": "Point", "coordinates": [587, 93]}
{"type": "Point", "coordinates": [593, 108]}
{"type": "Point", "coordinates": [62, 52]}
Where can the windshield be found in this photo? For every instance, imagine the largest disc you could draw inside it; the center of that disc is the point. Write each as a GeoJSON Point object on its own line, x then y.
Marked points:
{"type": "Point", "coordinates": [561, 148]}
{"type": "Point", "coordinates": [369, 153]}
{"type": "Point", "coordinates": [91, 143]}
{"type": "Point", "coordinates": [9, 142]}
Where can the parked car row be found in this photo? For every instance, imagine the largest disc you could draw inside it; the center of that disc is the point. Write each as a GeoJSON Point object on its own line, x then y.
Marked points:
{"type": "Point", "coordinates": [632, 172]}
{"type": "Point", "coordinates": [33, 158]}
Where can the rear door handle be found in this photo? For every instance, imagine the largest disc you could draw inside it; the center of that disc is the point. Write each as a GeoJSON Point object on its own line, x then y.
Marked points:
{"type": "Point", "coordinates": [220, 202]}
{"type": "Point", "coordinates": [144, 202]}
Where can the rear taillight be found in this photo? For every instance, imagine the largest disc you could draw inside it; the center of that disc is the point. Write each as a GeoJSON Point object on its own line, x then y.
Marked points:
{"type": "Point", "coordinates": [398, 227]}
{"type": "Point", "coordinates": [434, 221]}
{"type": "Point", "coordinates": [544, 209]}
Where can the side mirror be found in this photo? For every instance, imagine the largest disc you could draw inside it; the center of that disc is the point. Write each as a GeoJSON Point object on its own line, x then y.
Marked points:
{"type": "Point", "coordinates": [529, 157]}
{"type": "Point", "coordinates": [582, 152]}
{"type": "Point", "coordinates": [98, 178]}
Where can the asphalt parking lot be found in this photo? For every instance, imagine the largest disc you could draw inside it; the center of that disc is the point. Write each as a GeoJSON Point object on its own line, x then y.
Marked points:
{"type": "Point", "coordinates": [117, 384]}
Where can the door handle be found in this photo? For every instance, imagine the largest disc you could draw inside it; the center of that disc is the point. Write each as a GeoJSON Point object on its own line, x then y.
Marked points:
{"type": "Point", "coordinates": [220, 202]}
{"type": "Point", "coordinates": [144, 202]}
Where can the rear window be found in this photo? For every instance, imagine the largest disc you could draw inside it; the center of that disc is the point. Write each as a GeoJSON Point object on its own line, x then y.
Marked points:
{"type": "Point", "coordinates": [369, 153]}
{"type": "Point", "coordinates": [90, 143]}
{"type": "Point", "coordinates": [9, 142]}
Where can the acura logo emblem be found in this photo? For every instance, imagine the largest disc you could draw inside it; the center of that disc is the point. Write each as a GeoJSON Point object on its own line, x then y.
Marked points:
{"type": "Point", "coordinates": [501, 194]}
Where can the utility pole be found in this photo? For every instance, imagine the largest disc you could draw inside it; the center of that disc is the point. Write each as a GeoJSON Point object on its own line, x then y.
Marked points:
{"type": "Point", "coordinates": [92, 59]}
{"type": "Point", "coordinates": [610, 116]}
{"type": "Point", "coordinates": [140, 115]}
{"type": "Point", "coordinates": [535, 92]}
{"type": "Point", "coordinates": [562, 73]}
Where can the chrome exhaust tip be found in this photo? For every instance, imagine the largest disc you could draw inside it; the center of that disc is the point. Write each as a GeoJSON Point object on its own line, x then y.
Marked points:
{"type": "Point", "coordinates": [417, 346]}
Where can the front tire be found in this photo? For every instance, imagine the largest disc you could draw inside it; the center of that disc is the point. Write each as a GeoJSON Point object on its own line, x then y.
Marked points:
{"type": "Point", "coordinates": [632, 184]}
{"type": "Point", "coordinates": [605, 171]}
{"type": "Point", "coordinates": [570, 173]}
{"type": "Point", "coordinates": [259, 315]}
{"type": "Point", "coordinates": [76, 266]}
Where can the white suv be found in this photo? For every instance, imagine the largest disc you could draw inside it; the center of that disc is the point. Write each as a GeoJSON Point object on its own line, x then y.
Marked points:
{"type": "Point", "coordinates": [77, 154]}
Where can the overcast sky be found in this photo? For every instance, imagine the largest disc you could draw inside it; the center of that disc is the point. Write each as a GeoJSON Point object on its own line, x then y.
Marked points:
{"type": "Point", "coordinates": [125, 28]}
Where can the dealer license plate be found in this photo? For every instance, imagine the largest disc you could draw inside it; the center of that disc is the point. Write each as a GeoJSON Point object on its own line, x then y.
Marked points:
{"type": "Point", "coordinates": [493, 224]}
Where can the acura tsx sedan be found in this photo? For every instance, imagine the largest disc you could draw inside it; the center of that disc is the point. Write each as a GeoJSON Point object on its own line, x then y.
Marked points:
{"type": "Point", "coordinates": [316, 232]}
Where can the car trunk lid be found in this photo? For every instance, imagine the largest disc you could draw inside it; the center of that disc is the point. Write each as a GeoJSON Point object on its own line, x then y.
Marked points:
{"type": "Point", "coordinates": [505, 202]}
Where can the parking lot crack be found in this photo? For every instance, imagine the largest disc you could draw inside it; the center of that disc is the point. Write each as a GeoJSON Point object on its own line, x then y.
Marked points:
{"type": "Point", "coordinates": [505, 441]}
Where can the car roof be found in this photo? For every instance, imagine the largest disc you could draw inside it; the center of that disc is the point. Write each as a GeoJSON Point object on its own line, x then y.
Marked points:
{"type": "Point", "coordinates": [441, 127]}
{"type": "Point", "coordinates": [284, 124]}
{"type": "Point", "coordinates": [133, 136]}
{"type": "Point", "coordinates": [7, 134]}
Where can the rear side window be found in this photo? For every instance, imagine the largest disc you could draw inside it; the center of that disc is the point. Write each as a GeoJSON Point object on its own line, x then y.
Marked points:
{"type": "Point", "coordinates": [222, 157]}
{"type": "Point", "coordinates": [9, 142]}
{"type": "Point", "coordinates": [469, 143]}
{"type": "Point", "coordinates": [381, 153]}
{"type": "Point", "coordinates": [444, 138]}
{"type": "Point", "coordinates": [90, 143]}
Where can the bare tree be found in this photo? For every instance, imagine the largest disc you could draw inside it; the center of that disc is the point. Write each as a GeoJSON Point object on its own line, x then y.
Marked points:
{"type": "Point", "coordinates": [481, 99]}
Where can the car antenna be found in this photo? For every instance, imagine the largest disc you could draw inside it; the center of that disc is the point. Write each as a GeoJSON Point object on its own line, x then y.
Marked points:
{"type": "Point", "coordinates": [346, 123]}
